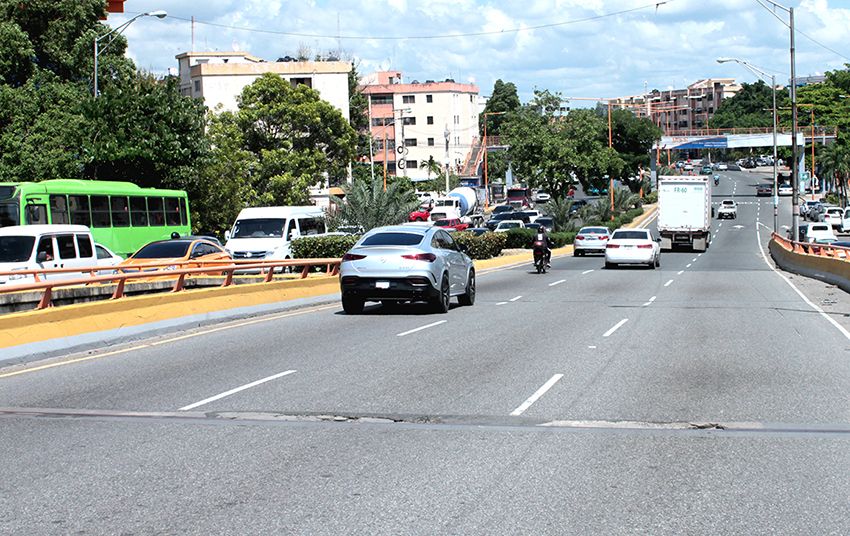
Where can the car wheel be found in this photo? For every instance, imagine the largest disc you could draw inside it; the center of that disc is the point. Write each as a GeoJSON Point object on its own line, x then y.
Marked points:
{"type": "Point", "coordinates": [441, 303]}
{"type": "Point", "coordinates": [609, 265]}
{"type": "Point", "coordinates": [468, 297]}
{"type": "Point", "coordinates": [352, 306]}
{"type": "Point", "coordinates": [575, 253]}
{"type": "Point", "coordinates": [658, 260]}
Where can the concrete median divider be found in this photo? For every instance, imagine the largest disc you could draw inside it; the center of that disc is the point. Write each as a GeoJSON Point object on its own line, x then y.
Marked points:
{"type": "Point", "coordinates": [58, 330]}
{"type": "Point", "coordinates": [832, 270]}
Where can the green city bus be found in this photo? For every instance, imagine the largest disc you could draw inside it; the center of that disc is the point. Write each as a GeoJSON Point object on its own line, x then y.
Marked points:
{"type": "Point", "coordinates": [121, 215]}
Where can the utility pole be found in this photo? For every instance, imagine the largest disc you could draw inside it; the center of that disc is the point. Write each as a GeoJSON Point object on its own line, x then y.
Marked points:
{"type": "Point", "coordinates": [795, 177]}
{"type": "Point", "coordinates": [446, 134]}
{"type": "Point", "coordinates": [385, 160]}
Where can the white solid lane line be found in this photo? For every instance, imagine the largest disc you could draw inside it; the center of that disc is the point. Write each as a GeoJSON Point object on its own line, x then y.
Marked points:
{"type": "Point", "coordinates": [234, 391]}
{"type": "Point", "coordinates": [668, 283]}
{"type": "Point", "coordinates": [680, 272]}
{"type": "Point", "coordinates": [431, 325]}
{"type": "Point", "coordinates": [557, 282]}
{"type": "Point", "coordinates": [652, 299]}
{"type": "Point", "coordinates": [615, 328]}
{"type": "Point", "coordinates": [502, 303]}
{"type": "Point", "coordinates": [586, 272]}
{"type": "Point", "coordinates": [515, 298]}
{"type": "Point", "coordinates": [647, 304]}
{"type": "Point", "coordinates": [537, 394]}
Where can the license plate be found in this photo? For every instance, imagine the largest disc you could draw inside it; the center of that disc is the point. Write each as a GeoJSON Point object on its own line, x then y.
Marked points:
{"type": "Point", "coordinates": [382, 284]}
{"type": "Point", "coordinates": [628, 246]}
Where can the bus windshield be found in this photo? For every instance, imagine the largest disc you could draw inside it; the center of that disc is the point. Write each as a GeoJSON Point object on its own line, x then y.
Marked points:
{"type": "Point", "coordinates": [9, 214]}
{"type": "Point", "coordinates": [259, 228]}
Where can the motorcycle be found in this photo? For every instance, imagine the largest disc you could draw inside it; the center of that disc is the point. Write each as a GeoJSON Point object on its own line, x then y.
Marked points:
{"type": "Point", "coordinates": [540, 257]}
{"type": "Point", "coordinates": [716, 180]}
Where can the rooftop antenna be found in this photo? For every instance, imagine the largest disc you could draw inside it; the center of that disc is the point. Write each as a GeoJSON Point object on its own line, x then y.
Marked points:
{"type": "Point", "coordinates": [193, 34]}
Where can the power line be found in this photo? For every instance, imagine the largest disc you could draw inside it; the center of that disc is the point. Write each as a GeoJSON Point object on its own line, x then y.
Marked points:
{"type": "Point", "coordinates": [807, 36]}
{"type": "Point", "coordinates": [654, 5]}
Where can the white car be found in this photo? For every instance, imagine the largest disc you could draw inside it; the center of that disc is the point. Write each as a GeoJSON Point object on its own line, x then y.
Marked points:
{"type": "Point", "coordinates": [722, 167]}
{"type": "Point", "coordinates": [591, 240]}
{"type": "Point", "coordinates": [632, 246]}
{"type": "Point", "coordinates": [785, 189]}
{"type": "Point", "coordinates": [106, 259]}
{"type": "Point", "coordinates": [506, 225]}
{"type": "Point", "coordinates": [542, 197]}
{"type": "Point", "coordinates": [728, 209]}
{"type": "Point", "coordinates": [845, 221]}
{"type": "Point", "coordinates": [819, 232]}
{"type": "Point", "coordinates": [834, 216]}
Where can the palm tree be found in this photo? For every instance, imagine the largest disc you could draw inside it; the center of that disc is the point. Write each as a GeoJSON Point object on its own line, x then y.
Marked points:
{"type": "Point", "coordinates": [561, 212]}
{"type": "Point", "coordinates": [625, 200]}
{"type": "Point", "coordinates": [431, 166]}
{"type": "Point", "coordinates": [367, 205]}
{"type": "Point", "coordinates": [836, 161]}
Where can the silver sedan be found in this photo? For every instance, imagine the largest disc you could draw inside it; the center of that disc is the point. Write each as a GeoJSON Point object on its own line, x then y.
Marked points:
{"type": "Point", "coordinates": [406, 263]}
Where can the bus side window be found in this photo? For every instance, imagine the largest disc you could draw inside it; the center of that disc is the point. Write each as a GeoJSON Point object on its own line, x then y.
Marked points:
{"type": "Point", "coordinates": [36, 214]}
{"type": "Point", "coordinates": [172, 211]}
{"type": "Point", "coordinates": [100, 211]}
{"type": "Point", "coordinates": [120, 211]}
{"type": "Point", "coordinates": [79, 205]}
{"type": "Point", "coordinates": [58, 209]}
{"type": "Point", "coordinates": [155, 213]}
{"type": "Point", "coordinates": [138, 212]}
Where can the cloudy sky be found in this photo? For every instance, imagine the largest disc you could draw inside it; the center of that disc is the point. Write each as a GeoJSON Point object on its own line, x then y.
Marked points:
{"type": "Point", "coordinates": [591, 48]}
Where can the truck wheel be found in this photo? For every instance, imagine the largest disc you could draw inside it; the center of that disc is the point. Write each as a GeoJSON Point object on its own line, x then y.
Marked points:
{"type": "Point", "coordinates": [468, 297]}
{"type": "Point", "coordinates": [352, 306]}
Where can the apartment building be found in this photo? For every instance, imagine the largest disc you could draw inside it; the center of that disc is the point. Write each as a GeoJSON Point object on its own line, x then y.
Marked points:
{"type": "Point", "coordinates": [412, 122]}
{"type": "Point", "coordinates": [682, 110]}
{"type": "Point", "coordinates": [219, 77]}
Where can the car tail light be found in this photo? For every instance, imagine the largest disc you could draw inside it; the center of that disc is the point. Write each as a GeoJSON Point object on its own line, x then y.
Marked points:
{"type": "Point", "coordinates": [427, 257]}
{"type": "Point", "coordinates": [352, 257]}
{"type": "Point", "coordinates": [603, 237]}
{"type": "Point", "coordinates": [579, 237]}
{"type": "Point", "coordinates": [644, 246]}
{"type": "Point", "coordinates": [349, 280]}
{"type": "Point", "coordinates": [612, 246]}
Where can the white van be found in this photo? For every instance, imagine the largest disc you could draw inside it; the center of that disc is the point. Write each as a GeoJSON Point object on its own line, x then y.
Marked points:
{"type": "Point", "coordinates": [267, 232]}
{"type": "Point", "coordinates": [32, 247]}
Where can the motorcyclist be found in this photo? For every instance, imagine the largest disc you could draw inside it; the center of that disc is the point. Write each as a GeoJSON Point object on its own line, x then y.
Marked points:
{"type": "Point", "coordinates": [542, 240]}
{"type": "Point", "coordinates": [716, 180]}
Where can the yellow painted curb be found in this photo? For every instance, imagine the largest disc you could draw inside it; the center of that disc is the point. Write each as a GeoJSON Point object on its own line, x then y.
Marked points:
{"type": "Point", "coordinates": [66, 321]}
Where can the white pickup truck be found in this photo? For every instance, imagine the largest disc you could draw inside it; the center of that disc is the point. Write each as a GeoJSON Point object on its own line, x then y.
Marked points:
{"type": "Point", "coordinates": [728, 209]}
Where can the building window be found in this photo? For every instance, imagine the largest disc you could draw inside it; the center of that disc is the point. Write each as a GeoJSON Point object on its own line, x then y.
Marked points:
{"type": "Point", "coordinates": [391, 168]}
{"type": "Point", "coordinates": [382, 121]}
{"type": "Point", "coordinates": [470, 98]}
{"type": "Point", "coordinates": [408, 120]}
{"type": "Point", "coordinates": [429, 98]}
{"type": "Point", "coordinates": [408, 99]}
{"type": "Point", "coordinates": [430, 120]}
{"type": "Point", "coordinates": [410, 142]}
{"type": "Point", "coordinates": [411, 164]}
{"type": "Point", "coordinates": [382, 99]}
{"type": "Point", "coordinates": [430, 142]}
{"type": "Point", "coordinates": [197, 86]}
{"type": "Point", "coordinates": [457, 120]}
{"type": "Point", "coordinates": [379, 145]}
{"type": "Point", "coordinates": [301, 81]}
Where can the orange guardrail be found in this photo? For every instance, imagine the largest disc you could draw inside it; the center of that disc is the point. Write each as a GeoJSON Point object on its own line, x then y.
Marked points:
{"type": "Point", "coordinates": [811, 248]}
{"type": "Point", "coordinates": [175, 270]}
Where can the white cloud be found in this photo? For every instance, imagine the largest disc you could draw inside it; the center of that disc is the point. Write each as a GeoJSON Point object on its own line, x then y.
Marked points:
{"type": "Point", "coordinates": [604, 57]}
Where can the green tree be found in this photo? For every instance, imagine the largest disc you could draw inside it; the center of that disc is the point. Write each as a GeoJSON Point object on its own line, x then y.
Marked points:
{"type": "Point", "coordinates": [560, 209]}
{"type": "Point", "coordinates": [367, 205]}
{"type": "Point", "coordinates": [358, 112]}
{"type": "Point", "coordinates": [632, 138]}
{"type": "Point", "coordinates": [750, 107]}
{"type": "Point", "coordinates": [835, 162]}
{"type": "Point", "coordinates": [503, 99]}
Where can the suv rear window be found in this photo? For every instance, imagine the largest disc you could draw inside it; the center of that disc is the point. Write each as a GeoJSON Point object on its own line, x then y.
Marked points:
{"type": "Point", "coordinates": [393, 239]}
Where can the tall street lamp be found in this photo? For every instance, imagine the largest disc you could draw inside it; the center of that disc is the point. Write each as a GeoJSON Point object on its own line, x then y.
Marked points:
{"type": "Point", "coordinates": [760, 73]}
{"type": "Point", "coordinates": [795, 178]}
{"type": "Point", "coordinates": [117, 31]}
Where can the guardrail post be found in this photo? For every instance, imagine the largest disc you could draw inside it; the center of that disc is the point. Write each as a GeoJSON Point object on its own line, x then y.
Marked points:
{"type": "Point", "coordinates": [269, 274]}
{"type": "Point", "coordinates": [335, 269]}
{"type": "Point", "coordinates": [228, 279]}
{"type": "Point", "coordinates": [178, 285]}
{"type": "Point", "coordinates": [305, 271]}
{"type": "Point", "coordinates": [46, 299]}
{"type": "Point", "coordinates": [119, 289]}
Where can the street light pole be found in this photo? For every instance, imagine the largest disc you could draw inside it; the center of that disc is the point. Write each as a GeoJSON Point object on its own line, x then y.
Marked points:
{"type": "Point", "coordinates": [117, 31]}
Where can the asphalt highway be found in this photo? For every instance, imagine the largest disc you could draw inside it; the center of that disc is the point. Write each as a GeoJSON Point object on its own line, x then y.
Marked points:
{"type": "Point", "coordinates": [704, 397]}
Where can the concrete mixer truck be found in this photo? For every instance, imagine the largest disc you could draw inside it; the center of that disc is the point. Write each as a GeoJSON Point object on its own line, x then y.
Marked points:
{"type": "Point", "coordinates": [460, 203]}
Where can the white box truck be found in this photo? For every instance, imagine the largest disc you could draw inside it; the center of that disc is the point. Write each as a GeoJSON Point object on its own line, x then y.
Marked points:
{"type": "Point", "coordinates": [684, 211]}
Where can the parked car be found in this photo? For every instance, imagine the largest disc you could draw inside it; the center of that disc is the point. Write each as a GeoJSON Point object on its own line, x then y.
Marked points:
{"type": "Point", "coordinates": [764, 189]}
{"type": "Point", "coordinates": [722, 166]}
{"type": "Point", "coordinates": [591, 240]}
{"type": "Point", "coordinates": [834, 216]}
{"type": "Point", "coordinates": [494, 220]}
{"type": "Point", "coordinates": [819, 231]}
{"type": "Point", "coordinates": [506, 225]}
{"type": "Point", "coordinates": [421, 214]}
{"type": "Point", "coordinates": [406, 264]}
{"type": "Point", "coordinates": [34, 247]}
{"type": "Point", "coordinates": [452, 223]}
{"type": "Point", "coordinates": [542, 197]}
{"type": "Point", "coordinates": [547, 222]}
{"type": "Point", "coordinates": [785, 189]}
{"type": "Point", "coordinates": [728, 209]}
{"type": "Point", "coordinates": [177, 250]}
{"type": "Point", "coordinates": [706, 170]}
{"type": "Point", "coordinates": [632, 246]}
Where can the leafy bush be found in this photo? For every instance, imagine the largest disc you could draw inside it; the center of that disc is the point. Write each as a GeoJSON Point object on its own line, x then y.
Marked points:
{"type": "Point", "coordinates": [485, 246]}
{"type": "Point", "coordinates": [651, 198]}
{"type": "Point", "coordinates": [519, 238]}
{"type": "Point", "coordinates": [322, 247]}
{"type": "Point", "coordinates": [562, 239]}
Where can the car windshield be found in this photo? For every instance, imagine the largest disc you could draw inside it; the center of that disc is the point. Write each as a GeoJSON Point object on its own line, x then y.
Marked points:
{"type": "Point", "coordinates": [630, 235]}
{"type": "Point", "coordinates": [509, 225]}
{"type": "Point", "coordinates": [728, 203]}
{"type": "Point", "coordinates": [9, 214]}
{"type": "Point", "coordinates": [16, 248]}
{"type": "Point", "coordinates": [259, 228]}
{"type": "Point", "coordinates": [164, 250]}
{"type": "Point", "coordinates": [392, 239]}
{"type": "Point", "coordinates": [594, 230]}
